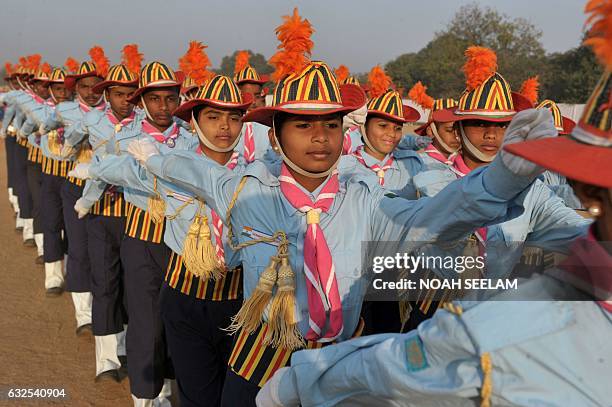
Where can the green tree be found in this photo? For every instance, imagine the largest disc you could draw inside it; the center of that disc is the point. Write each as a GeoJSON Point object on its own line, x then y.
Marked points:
{"type": "Point", "coordinates": [257, 61]}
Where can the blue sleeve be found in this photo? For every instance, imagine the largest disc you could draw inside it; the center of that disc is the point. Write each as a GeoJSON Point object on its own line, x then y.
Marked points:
{"type": "Point", "coordinates": [9, 114]}
{"type": "Point", "coordinates": [437, 364]}
{"type": "Point", "coordinates": [28, 126]}
{"type": "Point", "coordinates": [124, 171]}
{"type": "Point", "coordinates": [75, 133]}
{"type": "Point", "coordinates": [413, 142]}
{"type": "Point", "coordinates": [52, 121]}
{"type": "Point", "coordinates": [92, 192]}
{"type": "Point", "coordinates": [199, 175]}
{"type": "Point", "coordinates": [482, 198]}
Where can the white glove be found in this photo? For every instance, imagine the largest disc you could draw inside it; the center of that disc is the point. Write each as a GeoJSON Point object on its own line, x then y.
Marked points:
{"type": "Point", "coordinates": [355, 118]}
{"type": "Point", "coordinates": [67, 151]}
{"type": "Point", "coordinates": [531, 124]}
{"type": "Point", "coordinates": [142, 149]}
{"type": "Point", "coordinates": [41, 129]}
{"type": "Point", "coordinates": [80, 171]}
{"type": "Point", "coordinates": [268, 395]}
{"type": "Point", "coordinates": [80, 209]}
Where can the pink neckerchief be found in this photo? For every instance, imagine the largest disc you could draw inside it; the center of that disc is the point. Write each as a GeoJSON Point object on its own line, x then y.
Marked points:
{"type": "Point", "coordinates": [347, 143]}
{"type": "Point", "coordinates": [152, 131]}
{"type": "Point", "coordinates": [86, 108]}
{"type": "Point", "coordinates": [589, 266]}
{"type": "Point", "coordinates": [216, 219]}
{"type": "Point", "coordinates": [321, 283]}
{"type": "Point", "coordinates": [249, 143]}
{"type": "Point", "coordinates": [119, 124]}
{"type": "Point", "coordinates": [460, 168]}
{"type": "Point", "coordinates": [380, 171]}
{"type": "Point", "coordinates": [434, 153]}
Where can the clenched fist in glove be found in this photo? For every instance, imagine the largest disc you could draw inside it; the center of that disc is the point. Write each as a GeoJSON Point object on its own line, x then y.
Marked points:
{"type": "Point", "coordinates": [80, 209]}
{"type": "Point", "coordinates": [142, 149]}
{"type": "Point", "coordinates": [81, 171]}
{"type": "Point", "coordinates": [531, 124]}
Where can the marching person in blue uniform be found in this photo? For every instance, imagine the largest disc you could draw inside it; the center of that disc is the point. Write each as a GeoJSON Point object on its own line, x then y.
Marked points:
{"type": "Point", "coordinates": [549, 351]}
{"type": "Point", "coordinates": [292, 226]}
{"type": "Point", "coordinates": [203, 282]}
{"type": "Point", "coordinates": [254, 142]}
{"type": "Point", "coordinates": [60, 159]}
{"type": "Point", "coordinates": [144, 255]}
{"type": "Point", "coordinates": [106, 206]}
{"type": "Point", "coordinates": [40, 97]}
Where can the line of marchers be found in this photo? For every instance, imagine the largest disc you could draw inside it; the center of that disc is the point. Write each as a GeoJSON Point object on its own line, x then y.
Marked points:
{"type": "Point", "coordinates": [447, 284]}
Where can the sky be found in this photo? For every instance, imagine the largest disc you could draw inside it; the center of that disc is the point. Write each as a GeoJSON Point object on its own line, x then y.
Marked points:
{"type": "Point", "coordinates": [356, 33]}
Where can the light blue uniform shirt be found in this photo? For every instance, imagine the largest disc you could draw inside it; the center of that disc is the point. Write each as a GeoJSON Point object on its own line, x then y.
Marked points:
{"type": "Point", "coordinates": [360, 212]}
{"type": "Point", "coordinates": [559, 185]}
{"type": "Point", "coordinates": [97, 129]}
{"type": "Point", "coordinates": [184, 141]}
{"type": "Point", "coordinates": [181, 205]}
{"type": "Point", "coordinates": [543, 353]}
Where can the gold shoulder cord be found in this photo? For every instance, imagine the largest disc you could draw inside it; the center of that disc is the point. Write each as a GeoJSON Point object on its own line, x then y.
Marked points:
{"type": "Point", "coordinates": [283, 331]}
{"type": "Point", "coordinates": [485, 363]}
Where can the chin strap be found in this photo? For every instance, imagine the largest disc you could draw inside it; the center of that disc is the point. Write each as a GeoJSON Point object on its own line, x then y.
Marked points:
{"type": "Point", "coordinates": [207, 142]}
{"type": "Point", "coordinates": [445, 147]}
{"type": "Point", "coordinates": [471, 148]}
{"type": "Point", "coordinates": [144, 107]}
{"type": "Point", "coordinates": [295, 167]}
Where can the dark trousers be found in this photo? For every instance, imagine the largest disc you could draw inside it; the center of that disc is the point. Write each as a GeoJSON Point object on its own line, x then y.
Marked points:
{"type": "Point", "coordinates": [144, 265]}
{"type": "Point", "coordinates": [78, 269]}
{"type": "Point", "coordinates": [9, 144]}
{"type": "Point", "coordinates": [238, 391]}
{"type": "Point", "coordinates": [34, 174]}
{"type": "Point", "coordinates": [54, 245]}
{"type": "Point", "coordinates": [198, 347]}
{"type": "Point", "coordinates": [20, 165]}
{"type": "Point", "coordinates": [104, 236]}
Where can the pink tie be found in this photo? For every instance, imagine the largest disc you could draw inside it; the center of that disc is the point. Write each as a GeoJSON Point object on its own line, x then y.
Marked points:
{"type": "Point", "coordinates": [218, 222]}
{"type": "Point", "coordinates": [347, 144]}
{"type": "Point", "coordinates": [321, 284]}
{"type": "Point", "coordinates": [437, 155]}
{"type": "Point", "coordinates": [158, 135]}
{"type": "Point", "coordinates": [114, 121]}
{"type": "Point", "coordinates": [249, 143]}
{"type": "Point", "coordinates": [380, 171]}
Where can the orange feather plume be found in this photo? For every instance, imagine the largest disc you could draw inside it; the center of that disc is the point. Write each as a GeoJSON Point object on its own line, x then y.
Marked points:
{"type": "Point", "coordinates": [342, 73]}
{"type": "Point", "coordinates": [100, 60]}
{"type": "Point", "coordinates": [295, 46]}
{"type": "Point", "coordinates": [72, 65]}
{"type": "Point", "coordinates": [418, 94]}
{"type": "Point", "coordinates": [33, 62]}
{"type": "Point", "coordinates": [599, 37]}
{"type": "Point", "coordinates": [481, 63]}
{"type": "Point", "coordinates": [195, 63]}
{"type": "Point", "coordinates": [23, 62]}
{"type": "Point", "coordinates": [530, 88]}
{"type": "Point", "coordinates": [242, 61]}
{"type": "Point", "coordinates": [46, 68]}
{"type": "Point", "coordinates": [8, 67]}
{"type": "Point", "coordinates": [131, 58]}
{"type": "Point", "coordinates": [379, 82]}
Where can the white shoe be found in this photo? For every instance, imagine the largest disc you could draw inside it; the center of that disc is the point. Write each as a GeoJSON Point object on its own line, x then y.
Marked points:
{"type": "Point", "coordinates": [53, 275]}
{"type": "Point", "coordinates": [28, 229]}
{"type": "Point", "coordinates": [38, 238]}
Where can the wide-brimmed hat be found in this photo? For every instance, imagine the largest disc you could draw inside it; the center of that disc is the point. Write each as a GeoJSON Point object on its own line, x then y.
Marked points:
{"type": "Point", "coordinates": [220, 91]}
{"type": "Point", "coordinates": [155, 75]}
{"type": "Point", "coordinates": [245, 73]}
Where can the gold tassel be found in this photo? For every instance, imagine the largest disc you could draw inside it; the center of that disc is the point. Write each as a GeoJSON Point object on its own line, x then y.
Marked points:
{"type": "Point", "coordinates": [198, 251]}
{"type": "Point", "coordinates": [53, 142]}
{"type": "Point", "coordinates": [250, 315]}
{"type": "Point", "coordinates": [284, 330]}
{"type": "Point", "coordinates": [156, 206]}
{"type": "Point", "coordinates": [84, 155]}
{"type": "Point", "coordinates": [487, 382]}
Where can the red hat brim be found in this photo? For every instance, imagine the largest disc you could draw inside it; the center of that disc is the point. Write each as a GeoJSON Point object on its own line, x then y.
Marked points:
{"type": "Point", "coordinates": [71, 80]}
{"type": "Point", "coordinates": [353, 97]}
{"type": "Point", "coordinates": [184, 111]}
{"type": "Point", "coordinates": [136, 96]}
{"type": "Point", "coordinates": [575, 160]}
{"type": "Point", "coordinates": [568, 126]}
{"type": "Point", "coordinates": [410, 115]}
{"type": "Point", "coordinates": [100, 87]}
{"type": "Point", "coordinates": [448, 115]}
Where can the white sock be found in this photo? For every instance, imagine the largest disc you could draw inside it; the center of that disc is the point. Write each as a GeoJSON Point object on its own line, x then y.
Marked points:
{"type": "Point", "coordinates": [82, 307]}
{"type": "Point", "coordinates": [53, 274]}
{"type": "Point", "coordinates": [38, 238]}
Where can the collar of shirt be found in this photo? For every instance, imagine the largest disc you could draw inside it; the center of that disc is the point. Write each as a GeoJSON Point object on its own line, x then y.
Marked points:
{"type": "Point", "coordinates": [114, 121]}
{"type": "Point", "coordinates": [171, 132]}
{"type": "Point", "coordinates": [460, 167]}
{"type": "Point", "coordinates": [370, 160]}
{"type": "Point", "coordinates": [434, 153]}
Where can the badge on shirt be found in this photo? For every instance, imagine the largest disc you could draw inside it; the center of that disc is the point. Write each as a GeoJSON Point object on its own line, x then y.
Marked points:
{"type": "Point", "coordinates": [256, 234]}
{"type": "Point", "coordinates": [415, 354]}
